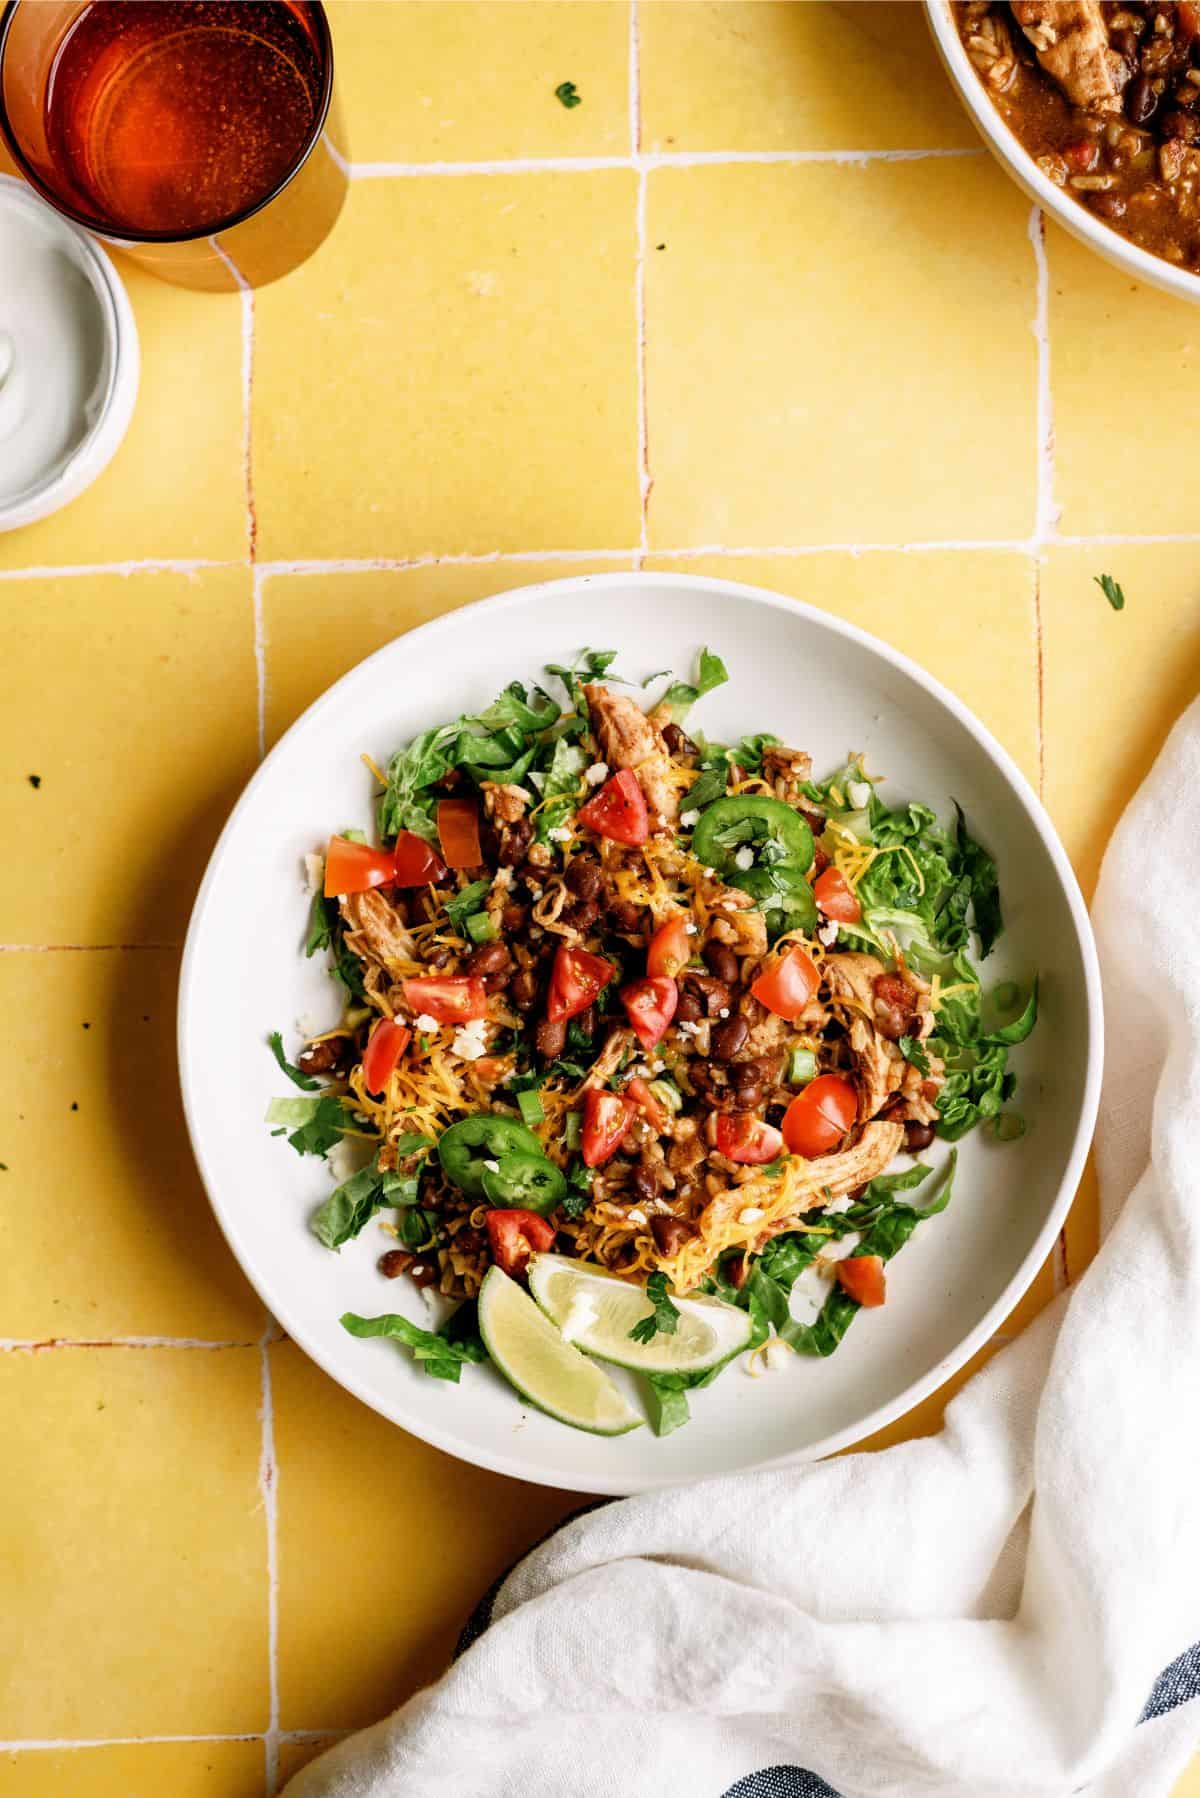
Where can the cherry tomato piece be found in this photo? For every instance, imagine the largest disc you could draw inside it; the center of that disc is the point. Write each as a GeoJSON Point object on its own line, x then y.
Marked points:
{"type": "Point", "coordinates": [654, 1113]}
{"type": "Point", "coordinates": [836, 897]}
{"type": "Point", "coordinates": [618, 810]}
{"type": "Point", "coordinates": [515, 1235]}
{"type": "Point", "coordinates": [385, 1045]}
{"type": "Point", "coordinates": [416, 862]}
{"type": "Point", "coordinates": [788, 983]}
{"type": "Point", "coordinates": [818, 1118]}
{"type": "Point", "coordinates": [458, 832]}
{"type": "Point", "coordinates": [576, 979]}
{"type": "Point", "coordinates": [606, 1121]}
{"type": "Point", "coordinates": [741, 1137]}
{"type": "Point", "coordinates": [863, 1278]}
{"type": "Point", "coordinates": [650, 1006]}
{"type": "Point", "coordinates": [453, 999]}
{"type": "Point", "coordinates": [354, 868]}
{"type": "Point", "coordinates": [669, 947]}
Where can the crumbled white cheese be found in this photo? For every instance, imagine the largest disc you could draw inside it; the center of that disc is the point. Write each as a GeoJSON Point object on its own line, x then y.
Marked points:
{"type": "Point", "coordinates": [858, 792]}
{"type": "Point", "coordinates": [559, 833]}
{"type": "Point", "coordinates": [724, 1012]}
{"type": "Point", "coordinates": [777, 1354]}
{"type": "Point", "coordinates": [493, 1167]}
{"type": "Point", "coordinates": [470, 1040]}
{"type": "Point", "coordinates": [750, 1215]}
{"type": "Point", "coordinates": [744, 857]}
{"type": "Point", "coordinates": [424, 1022]}
{"type": "Point", "coordinates": [688, 819]}
{"type": "Point", "coordinates": [708, 873]}
{"type": "Point", "coordinates": [596, 773]}
{"type": "Point", "coordinates": [691, 929]}
{"type": "Point", "coordinates": [686, 1029]}
{"type": "Point", "coordinates": [828, 934]}
{"type": "Point", "coordinates": [536, 891]}
{"type": "Point", "coordinates": [640, 1068]}
{"type": "Point", "coordinates": [636, 1216]}
{"type": "Point", "coordinates": [581, 1315]}
{"type": "Point", "coordinates": [314, 873]}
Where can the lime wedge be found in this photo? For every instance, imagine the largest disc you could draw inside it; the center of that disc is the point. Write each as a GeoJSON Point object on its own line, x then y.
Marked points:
{"type": "Point", "coordinates": [552, 1375]}
{"type": "Point", "coordinates": [598, 1311]}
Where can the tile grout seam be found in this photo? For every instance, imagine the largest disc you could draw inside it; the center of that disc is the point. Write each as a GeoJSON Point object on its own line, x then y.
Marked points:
{"type": "Point", "coordinates": [639, 285]}
{"type": "Point", "coordinates": [1045, 533]}
{"type": "Point", "coordinates": [268, 1481]}
{"type": "Point", "coordinates": [642, 161]}
{"type": "Point", "coordinates": [39, 1745]}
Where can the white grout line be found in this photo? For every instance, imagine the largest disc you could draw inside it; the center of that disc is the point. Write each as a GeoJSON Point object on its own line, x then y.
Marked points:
{"type": "Point", "coordinates": [81, 948]}
{"type": "Point", "coordinates": [268, 1479]}
{"type": "Point", "coordinates": [247, 299]}
{"type": "Point", "coordinates": [11, 1345]}
{"type": "Point", "coordinates": [35, 1745]}
{"type": "Point", "coordinates": [1046, 522]}
{"type": "Point", "coordinates": [639, 282]}
{"type": "Point", "coordinates": [260, 658]}
{"type": "Point", "coordinates": [643, 162]}
{"type": "Point", "coordinates": [152, 565]}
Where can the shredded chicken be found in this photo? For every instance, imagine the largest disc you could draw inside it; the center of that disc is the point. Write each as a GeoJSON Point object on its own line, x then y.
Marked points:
{"type": "Point", "coordinates": [504, 803]}
{"type": "Point", "coordinates": [849, 1168]}
{"type": "Point", "coordinates": [376, 933]}
{"type": "Point", "coordinates": [1071, 42]}
{"type": "Point", "coordinates": [737, 924]}
{"type": "Point", "coordinates": [880, 1067]}
{"type": "Point", "coordinates": [605, 1065]}
{"type": "Point", "coordinates": [629, 739]}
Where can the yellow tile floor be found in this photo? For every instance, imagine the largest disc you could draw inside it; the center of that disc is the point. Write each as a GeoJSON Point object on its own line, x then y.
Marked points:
{"type": "Point", "coordinates": [758, 306]}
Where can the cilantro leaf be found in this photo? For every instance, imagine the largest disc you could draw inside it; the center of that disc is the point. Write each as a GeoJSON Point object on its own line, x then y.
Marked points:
{"type": "Point", "coordinates": [351, 1206]}
{"type": "Point", "coordinates": [1112, 591]}
{"type": "Point", "coordinates": [913, 1052]}
{"type": "Point", "coordinates": [977, 867]}
{"type": "Point", "coordinates": [304, 1081]}
{"type": "Point", "coordinates": [664, 1316]}
{"type": "Point", "coordinates": [681, 696]}
{"type": "Point", "coordinates": [463, 905]}
{"type": "Point", "coordinates": [568, 94]}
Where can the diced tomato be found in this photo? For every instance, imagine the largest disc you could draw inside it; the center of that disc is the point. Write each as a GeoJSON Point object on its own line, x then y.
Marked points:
{"type": "Point", "coordinates": [788, 983]}
{"type": "Point", "coordinates": [741, 1137]}
{"type": "Point", "coordinates": [354, 868]}
{"type": "Point", "coordinates": [606, 1121]}
{"type": "Point", "coordinates": [416, 861]}
{"type": "Point", "coordinates": [576, 979]}
{"type": "Point", "coordinates": [618, 810]}
{"type": "Point", "coordinates": [863, 1278]}
{"type": "Point", "coordinates": [836, 897]}
{"type": "Point", "coordinates": [654, 1113]}
{"type": "Point", "coordinates": [1083, 155]}
{"type": "Point", "coordinates": [458, 832]}
{"type": "Point", "coordinates": [669, 946]}
{"type": "Point", "coordinates": [515, 1235]}
{"type": "Point", "coordinates": [453, 999]}
{"type": "Point", "coordinates": [385, 1045]}
{"type": "Point", "coordinates": [650, 1005]}
{"type": "Point", "coordinates": [818, 1118]}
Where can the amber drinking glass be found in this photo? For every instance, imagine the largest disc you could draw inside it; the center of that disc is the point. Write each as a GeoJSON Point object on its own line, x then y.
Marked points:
{"type": "Point", "coordinates": [192, 134]}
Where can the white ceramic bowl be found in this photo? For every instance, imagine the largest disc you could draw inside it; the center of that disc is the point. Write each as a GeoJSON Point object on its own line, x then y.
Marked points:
{"type": "Point", "coordinates": [821, 685]}
{"type": "Point", "coordinates": [1008, 149]}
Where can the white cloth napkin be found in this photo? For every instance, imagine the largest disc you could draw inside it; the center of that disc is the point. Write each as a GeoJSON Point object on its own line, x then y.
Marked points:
{"type": "Point", "coordinates": [978, 1615]}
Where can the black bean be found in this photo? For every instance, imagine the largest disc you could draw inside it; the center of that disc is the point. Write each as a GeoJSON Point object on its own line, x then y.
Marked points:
{"type": "Point", "coordinates": [523, 989]}
{"type": "Point", "coordinates": [1107, 205]}
{"type": "Point", "coordinates": [515, 840]}
{"type": "Point", "coordinates": [729, 1038]}
{"type": "Point", "coordinates": [584, 878]}
{"type": "Point", "coordinates": [489, 958]}
{"type": "Point", "coordinates": [670, 1233]}
{"type": "Point", "coordinates": [722, 961]}
{"type": "Point", "coordinates": [678, 741]}
{"type": "Point", "coordinates": [918, 1136]}
{"type": "Point", "coordinates": [690, 1009]}
{"type": "Point", "coordinates": [625, 915]}
{"type": "Point", "coordinates": [1125, 43]}
{"type": "Point", "coordinates": [323, 1057]}
{"type": "Point", "coordinates": [1141, 101]}
{"type": "Point", "coordinates": [581, 915]}
{"type": "Point", "coordinates": [395, 1262]}
{"type": "Point", "coordinates": [551, 1037]}
{"type": "Point", "coordinates": [514, 917]}
{"type": "Point", "coordinates": [644, 1182]}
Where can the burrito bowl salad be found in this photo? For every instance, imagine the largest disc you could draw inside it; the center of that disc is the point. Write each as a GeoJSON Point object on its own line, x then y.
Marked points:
{"type": "Point", "coordinates": [643, 1038]}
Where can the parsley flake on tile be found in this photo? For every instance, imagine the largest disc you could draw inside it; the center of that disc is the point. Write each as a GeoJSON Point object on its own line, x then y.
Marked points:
{"type": "Point", "coordinates": [567, 92]}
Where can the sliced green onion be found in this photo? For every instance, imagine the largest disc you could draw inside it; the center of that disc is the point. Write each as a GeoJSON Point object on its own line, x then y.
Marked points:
{"type": "Point", "coordinates": [667, 1094]}
{"type": "Point", "coordinates": [1007, 1126]}
{"type": "Point", "coordinates": [573, 1125]}
{"type": "Point", "coordinates": [802, 1067]}
{"type": "Point", "coordinates": [481, 928]}
{"type": "Point", "coordinates": [531, 1108]}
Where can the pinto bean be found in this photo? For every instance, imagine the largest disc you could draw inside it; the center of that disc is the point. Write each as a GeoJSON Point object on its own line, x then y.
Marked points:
{"type": "Point", "coordinates": [670, 1233]}
{"type": "Point", "coordinates": [489, 958]}
{"type": "Point", "coordinates": [551, 1037]}
{"type": "Point", "coordinates": [523, 989]}
{"type": "Point", "coordinates": [584, 878]}
{"type": "Point", "coordinates": [729, 1038]}
{"type": "Point", "coordinates": [722, 962]}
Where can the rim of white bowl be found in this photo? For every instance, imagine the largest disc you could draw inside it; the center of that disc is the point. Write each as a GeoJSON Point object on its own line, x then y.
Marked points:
{"type": "Point", "coordinates": [101, 441]}
{"type": "Point", "coordinates": [1008, 149]}
{"type": "Point", "coordinates": [568, 1478]}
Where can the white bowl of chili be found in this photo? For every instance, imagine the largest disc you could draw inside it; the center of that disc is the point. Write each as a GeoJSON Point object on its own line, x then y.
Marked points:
{"type": "Point", "coordinates": [1058, 201]}
{"type": "Point", "coordinates": [822, 685]}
